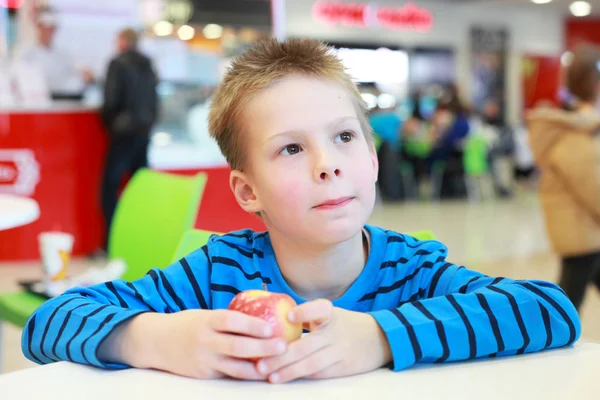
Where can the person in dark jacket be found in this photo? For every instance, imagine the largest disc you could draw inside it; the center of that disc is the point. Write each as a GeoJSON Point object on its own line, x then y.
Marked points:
{"type": "Point", "coordinates": [129, 111]}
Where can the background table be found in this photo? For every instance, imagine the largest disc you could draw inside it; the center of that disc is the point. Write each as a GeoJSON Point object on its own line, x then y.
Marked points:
{"type": "Point", "coordinates": [17, 211]}
{"type": "Point", "coordinates": [570, 373]}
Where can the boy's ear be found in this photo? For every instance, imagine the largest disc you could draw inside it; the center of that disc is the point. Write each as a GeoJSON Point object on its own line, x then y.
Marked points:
{"type": "Point", "coordinates": [243, 192]}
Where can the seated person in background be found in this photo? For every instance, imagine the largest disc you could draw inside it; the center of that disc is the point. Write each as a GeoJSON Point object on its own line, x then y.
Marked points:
{"type": "Point", "coordinates": [501, 148]}
{"type": "Point", "coordinates": [387, 125]}
{"type": "Point", "coordinates": [294, 130]}
{"type": "Point", "coordinates": [452, 124]}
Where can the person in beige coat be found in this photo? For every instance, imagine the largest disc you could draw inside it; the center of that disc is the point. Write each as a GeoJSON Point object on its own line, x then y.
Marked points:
{"type": "Point", "coordinates": [566, 149]}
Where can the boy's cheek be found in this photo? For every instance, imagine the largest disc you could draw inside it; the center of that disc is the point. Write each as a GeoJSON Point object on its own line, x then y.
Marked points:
{"type": "Point", "coordinates": [288, 193]}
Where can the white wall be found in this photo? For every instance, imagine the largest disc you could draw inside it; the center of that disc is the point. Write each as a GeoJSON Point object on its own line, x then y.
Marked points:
{"type": "Point", "coordinates": [532, 29]}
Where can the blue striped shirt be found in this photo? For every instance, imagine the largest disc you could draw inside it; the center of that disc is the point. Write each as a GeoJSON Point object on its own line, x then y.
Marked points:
{"type": "Point", "coordinates": [431, 310]}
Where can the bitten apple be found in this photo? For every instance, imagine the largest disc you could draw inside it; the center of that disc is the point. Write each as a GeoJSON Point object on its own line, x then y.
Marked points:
{"type": "Point", "coordinates": [271, 307]}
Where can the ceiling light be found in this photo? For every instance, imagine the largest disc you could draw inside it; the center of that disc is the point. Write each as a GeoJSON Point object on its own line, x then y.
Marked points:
{"type": "Point", "coordinates": [370, 99]}
{"type": "Point", "coordinates": [163, 28]}
{"type": "Point", "coordinates": [580, 8]}
{"type": "Point", "coordinates": [386, 100]}
{"type": "Point", "coordinates": [212, 31]}
{"type": "Point", "coordinates": [566, 59]}
{"type": "Point", "coordinates": [541, 1]}
{"type": "Point", "coordinates": [186, 32]}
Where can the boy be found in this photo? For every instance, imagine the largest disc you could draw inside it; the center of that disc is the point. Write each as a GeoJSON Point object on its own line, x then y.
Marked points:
{"type": "Point", "coordinates": [294, 130]}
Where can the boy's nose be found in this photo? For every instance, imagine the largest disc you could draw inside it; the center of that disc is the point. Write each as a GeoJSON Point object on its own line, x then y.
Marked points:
{"type": "Point", "coordinates": [326, 165]}
{"type": "Point", "coordinates": [325, 175]}
{"type": "Point", "coordinates": [326, 169]}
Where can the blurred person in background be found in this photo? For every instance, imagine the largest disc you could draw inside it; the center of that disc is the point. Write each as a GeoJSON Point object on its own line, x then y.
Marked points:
{"type": "Point", "coordinates": [417, 129]}
{"type": "Point", "coordinates": [567, 151]}
{"type": "Point", "coordinates": [129, 111]}
{"type": "Point", "coordinates": [386, 125]}
{"type": "Point", "coordinates": [64, 80]}
{"type": "Point", "coordinates": [501, 149]}
{"type": "Point", "coordinates": [451, 122]}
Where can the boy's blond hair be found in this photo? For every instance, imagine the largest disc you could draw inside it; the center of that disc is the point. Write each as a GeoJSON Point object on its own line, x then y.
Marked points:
{"type": "Point", "coordinates": [269, 61]}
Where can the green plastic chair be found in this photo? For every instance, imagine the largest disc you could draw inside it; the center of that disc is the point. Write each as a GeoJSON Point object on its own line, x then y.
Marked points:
{"type": "Point", "coordinates": [191, 241]}
{"type": "Point", "coordinates": [476, 166]}
{"type": "Point", "coordinates": [423, 235]}
{"type": "Point", "coordinates": [154, 211]}
{"type": "Point", "coordinates": [475, 156]}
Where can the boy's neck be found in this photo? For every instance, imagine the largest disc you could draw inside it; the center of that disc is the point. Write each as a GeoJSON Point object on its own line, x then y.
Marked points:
{"type": "Point", "coordinates": [325, 272]}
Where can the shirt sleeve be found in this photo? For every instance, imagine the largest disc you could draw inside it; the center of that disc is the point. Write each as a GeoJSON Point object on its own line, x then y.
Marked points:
{"type": "Point", "coordinates": [72, 326]}
{"type": "Point", "coordinates": [461, 314]}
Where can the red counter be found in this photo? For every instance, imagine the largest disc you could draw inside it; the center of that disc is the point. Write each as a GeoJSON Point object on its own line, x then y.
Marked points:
{"type": "Point", "coordinates": [56, 156]}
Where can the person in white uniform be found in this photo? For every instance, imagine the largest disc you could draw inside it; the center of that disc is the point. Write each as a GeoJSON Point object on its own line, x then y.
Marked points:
{"type": "Point", "coordinates": [63, 79]}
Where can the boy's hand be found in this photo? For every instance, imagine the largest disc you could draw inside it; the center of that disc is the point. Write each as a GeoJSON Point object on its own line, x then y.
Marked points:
{"type": "Point", "coordinates": [340, 343]}
{"type": "Point", "coordinates": [200, 344]}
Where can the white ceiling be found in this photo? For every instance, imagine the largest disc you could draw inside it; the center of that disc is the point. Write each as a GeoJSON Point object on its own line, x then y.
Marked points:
{"type": "Point", "coordinates": [556, 4]}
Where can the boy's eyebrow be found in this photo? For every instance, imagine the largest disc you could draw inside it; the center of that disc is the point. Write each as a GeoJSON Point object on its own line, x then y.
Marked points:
{"type": "Point", "coordinates": [330, 125]}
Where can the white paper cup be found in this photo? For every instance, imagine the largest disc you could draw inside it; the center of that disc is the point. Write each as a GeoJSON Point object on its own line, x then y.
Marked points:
{"type": "Point", "coordinates": [55, 250]}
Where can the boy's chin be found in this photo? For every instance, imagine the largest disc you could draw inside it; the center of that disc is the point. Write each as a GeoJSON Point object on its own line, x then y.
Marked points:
{"type": "Point", "coordinates": [336, 232]}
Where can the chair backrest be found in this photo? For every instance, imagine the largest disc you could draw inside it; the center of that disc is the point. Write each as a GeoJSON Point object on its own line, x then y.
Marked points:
{"type": "Point", "coordinates": [193, 239]}
{"type": "Point", "coordinates": [475, 156]}
{"type": "Point", "coordinates": [423, 235]}
{"type": "Point", "coordinates": [154, 211]}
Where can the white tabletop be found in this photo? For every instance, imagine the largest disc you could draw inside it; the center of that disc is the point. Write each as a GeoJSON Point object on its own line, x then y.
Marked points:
{"type": "Point", "coordinates": [17, 211]}
{"type": "Point", "coordinates": [558, 374]}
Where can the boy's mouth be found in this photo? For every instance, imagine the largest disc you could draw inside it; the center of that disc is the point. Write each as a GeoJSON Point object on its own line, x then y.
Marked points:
{"type": "Point", "coordinates": [334, 203]}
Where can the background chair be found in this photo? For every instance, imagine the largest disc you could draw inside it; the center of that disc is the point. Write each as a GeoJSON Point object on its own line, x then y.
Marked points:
{"type": "Point", "coordinates": [156, 209]}
{"type": "Point", "coordinates": [476, 166]}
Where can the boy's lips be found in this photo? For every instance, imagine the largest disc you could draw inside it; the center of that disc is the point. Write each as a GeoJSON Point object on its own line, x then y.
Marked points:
{"type": "Point", "coordinates": [334, 203]}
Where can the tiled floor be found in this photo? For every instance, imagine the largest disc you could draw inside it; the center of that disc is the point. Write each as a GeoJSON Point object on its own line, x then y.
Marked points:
{"type": "Point", "coordinates": [497, 238]}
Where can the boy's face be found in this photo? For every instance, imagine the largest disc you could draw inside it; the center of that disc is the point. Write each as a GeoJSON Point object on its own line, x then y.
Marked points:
{"type": "Point", "coordinates": [310, 170]}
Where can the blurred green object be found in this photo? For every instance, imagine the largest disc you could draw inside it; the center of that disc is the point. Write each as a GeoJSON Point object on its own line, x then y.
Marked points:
{"type": "Point", "coordinates": [417, 148]}
{"type": "Point", "coordinates": [191, 241]}
{"type": "Point", "coordinates": [16, 307]}
{"type": "Point", "coordinates": [423, 235]}
{"type": "Point", "coordinates": [377, 141]}
{"type": "Point", "coordinates": [475, 156]}
{"type": "Point", "coordinates": [154, 211]}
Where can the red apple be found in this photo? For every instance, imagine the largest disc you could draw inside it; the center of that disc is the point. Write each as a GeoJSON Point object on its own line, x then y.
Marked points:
{"type": "Point", "coordinates": [271, 307]}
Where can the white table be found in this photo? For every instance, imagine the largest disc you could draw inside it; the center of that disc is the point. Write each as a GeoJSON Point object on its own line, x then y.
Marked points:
{"type": "Point", "coordinates": [17, 211]}
{"type": "Point", "coordinates": [558, 374]}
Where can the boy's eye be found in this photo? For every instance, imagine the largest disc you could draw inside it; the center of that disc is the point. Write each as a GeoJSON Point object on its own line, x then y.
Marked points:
{"type": "Point", "coordinates": [291, 149]}
{"type": "Point", "coordinates": [345, 137]}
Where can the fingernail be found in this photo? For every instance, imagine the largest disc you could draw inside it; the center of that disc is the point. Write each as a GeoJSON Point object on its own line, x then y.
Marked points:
{"type": "Point", "coordinates": [268, 331]}
{"type": "Point", "coordinates": [281, 346]}
{"type": "Point", "coordinates": [262, 367]}
{"type": "Point", "coordinates": [291, 316]}
{"type": "Point", "coordinates": [274, 378]}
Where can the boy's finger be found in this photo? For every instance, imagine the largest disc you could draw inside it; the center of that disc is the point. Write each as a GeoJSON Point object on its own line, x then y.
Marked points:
{"type": "Point", "coordinates": [246, 347]}
{"type": "Point", "coordinates": [314, 312]}
{"type": "Point", "coordinates": [309, 366]}
{"type": "Point", "coordinates": [228, 321]}
{"type": "Point", "coordinates": [297, 351]}
{"type": "Point", "coordinates": [238, 369]}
